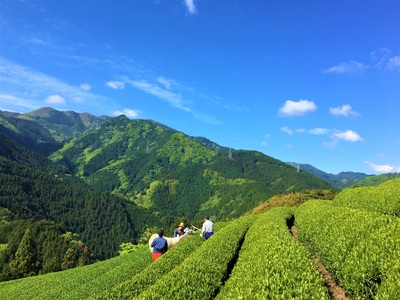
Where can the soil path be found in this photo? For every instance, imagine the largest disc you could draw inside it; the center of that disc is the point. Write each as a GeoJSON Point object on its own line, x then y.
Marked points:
{"type": "Point", "coordinates": [336, 292]}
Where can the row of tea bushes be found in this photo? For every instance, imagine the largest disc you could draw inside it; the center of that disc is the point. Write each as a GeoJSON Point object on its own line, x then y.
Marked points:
{"type": "Point", "coordinates": [202, 274]}
{"type": "Point", "coordinates": [272, 265]}
{"type": "Point", "coordinates": [383, 198]}
{"type": "Point", "coordinates": [141, 281]}
{"type": "Point", "coordinates": [359, 248]}
{"type": "Point", "coordinates": [77, 283]}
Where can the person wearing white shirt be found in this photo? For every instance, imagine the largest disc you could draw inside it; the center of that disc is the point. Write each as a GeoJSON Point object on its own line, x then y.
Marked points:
{"type": "Point", "coordinates": [208, 228]}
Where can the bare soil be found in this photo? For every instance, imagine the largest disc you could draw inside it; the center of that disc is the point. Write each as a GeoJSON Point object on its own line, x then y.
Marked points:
{"type": "Point", "coordinates": [335, 291]}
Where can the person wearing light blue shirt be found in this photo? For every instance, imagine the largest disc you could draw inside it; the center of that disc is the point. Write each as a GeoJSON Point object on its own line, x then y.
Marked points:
{"type": "Point", "coordinates": [208, 228]}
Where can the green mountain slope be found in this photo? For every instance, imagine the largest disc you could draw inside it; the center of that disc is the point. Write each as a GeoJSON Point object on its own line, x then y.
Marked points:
{"type": "Point", "coordinates": [173, 175]}
{"type": "Point", "coordinates": [43, 130]}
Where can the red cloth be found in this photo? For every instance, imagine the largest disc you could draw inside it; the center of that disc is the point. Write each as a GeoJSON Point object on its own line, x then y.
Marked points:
{"type": "Point", "coordinates": [156, 255]}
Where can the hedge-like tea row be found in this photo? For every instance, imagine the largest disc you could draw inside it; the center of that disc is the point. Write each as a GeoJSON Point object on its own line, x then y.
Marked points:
{"type": "Point", "coordinates": [77, 283]}
{"type": "Point", "coordinates": [172, 258]}
{"type": "Point", "coordinates": [202, 274]}
{"type": "Point", "coordinates": [272, 265]}
{"type": "Point", "coordinates": [383, 198]}
{"type": "Point", "coordinates": [359, 248]}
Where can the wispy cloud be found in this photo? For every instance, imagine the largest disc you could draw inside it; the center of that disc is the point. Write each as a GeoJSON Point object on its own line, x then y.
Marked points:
{"type": "Point", "coordinates": [191, 7]}
{"type": "Point", "coordinates": [380, 59]}
{"type": "Point", "coordinates": [162, 88]}
{"type": "Point", "coordinates": [394, 63]}
{"type": "Point", "coordinates": [34, 89]}
{"type": "Point", "coordinates": [287, 130]}
{"type": "Point", "coordinates": [300, 108]}
{"type": "Point", "coordinates": [130, 113]}
{"type": "Point", "coordinates": [344, 110]}
{"type": "Point", "coordinates": [318, 131]}
{"type": "Point", "coordinates": [335, 135]}
{"type": "Point", "coordinates": [116, 85]}
{"type": "Point", "coordinates": [383, 168]}
{"type": "Point", "coordinates": [173, 98]}
{"type": "Point", "coordinates": [347, 67]}
{"type": "Point", "coordinates": [85, 87]}
{"type": "Point", "coordinates": [165, 82]}
{"type": "Point", "coordinates": [13, 103]}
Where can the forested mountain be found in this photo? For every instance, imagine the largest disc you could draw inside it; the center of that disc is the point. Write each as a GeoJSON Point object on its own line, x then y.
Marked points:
{"type": "Point", "coordinates": [111, 178]}
{"type": "Point", "coordinates": [45, 129]}
{"type": "Point", "coordinates": [63, 221]}
{"type": "Point", "coordinates": [340, 180]}
{"type": "Point", "coordinates": [173, 175]}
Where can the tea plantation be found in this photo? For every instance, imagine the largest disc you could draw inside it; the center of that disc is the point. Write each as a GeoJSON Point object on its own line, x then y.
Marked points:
{"type": "Point", "coordinates": [356, 236]}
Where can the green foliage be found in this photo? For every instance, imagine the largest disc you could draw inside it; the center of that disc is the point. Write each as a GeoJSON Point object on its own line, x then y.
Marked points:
{"type": "Point", "coordinates": [25, 262]}
{"type": "Point", "coordinates": [78, 283]}
{"type": "Point", "coordinates": [383, 198]}
{"type": "Point", "coordinates": [293, 200]}
{"type": "Point", "coordinates": [48, 246]}
{"type": "Point", "coordinates": [162, 266]}
{"type": "Point", "coordinates": [358, 248]}
{"type": "Point", "coordinates": [375, 180]}
{"type": "Point", "coordinates": [272, 265]}
{"type": "Point", "coordinates": [103, 221]}
{"type": "Point", "coordinates": [202, 273]}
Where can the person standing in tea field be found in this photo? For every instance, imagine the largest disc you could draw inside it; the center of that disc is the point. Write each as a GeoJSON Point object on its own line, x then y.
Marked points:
{"type": "Point", "coordinates": [159, 245]}
{"type": "Point", "coordinates": [208, 228]}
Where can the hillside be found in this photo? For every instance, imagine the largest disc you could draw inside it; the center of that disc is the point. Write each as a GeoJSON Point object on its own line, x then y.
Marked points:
{"type": "Point", "coordinates": [375, 180]}
{"type": "Point", "coordinates": [43, 130]}
{"type": "Point", "coordinates": [340, 180]}
{"type": "Point", "coordinates": [173, 175]}
{"type": "Point", "coordinates": [355, 251]}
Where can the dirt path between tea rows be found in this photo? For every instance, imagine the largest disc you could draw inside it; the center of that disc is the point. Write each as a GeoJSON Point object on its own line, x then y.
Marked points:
{"type": "Point", "coordinates": [335, 291]}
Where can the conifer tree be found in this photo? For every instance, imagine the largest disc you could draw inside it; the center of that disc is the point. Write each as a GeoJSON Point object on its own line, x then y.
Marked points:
{"type": "Point", "coordinates": [25, 262]}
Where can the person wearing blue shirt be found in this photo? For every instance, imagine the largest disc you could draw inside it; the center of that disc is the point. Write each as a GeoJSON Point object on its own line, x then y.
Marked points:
{"type": "Point", "coordinates": [159, 245]}
{"type": "Point", "coordinates": [179, 231]}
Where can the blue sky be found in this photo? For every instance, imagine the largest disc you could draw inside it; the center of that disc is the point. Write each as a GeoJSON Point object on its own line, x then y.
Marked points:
{"type": "Point", "coordinates": [313, 82]}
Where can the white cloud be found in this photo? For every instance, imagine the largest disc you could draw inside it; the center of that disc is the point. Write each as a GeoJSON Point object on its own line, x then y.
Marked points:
{"type": "Point", "coordinates": [116, 85]}
{"type": "Point", "coordinates": [394, 63]}
{"type": "Point", "coordinates": [292, 108]}
{"type": "Point", "coordinates": [55, 99]}
{"type": "Point", "coordinates": [30, 88]}
{"type": "Point", "coordinates": [14, 103]}
{"type": "Point", "coordinates": [344, 110]}
{"type": "Point", "coordinates": [175, 99]}
{"type": "Point", "coordinates": [165, 82]}
{"type": "Point", "coordinates": [287, 130]}
{"type": "Point", "coordinates": [191, 7]}
{"type": "Point", "coordinates": [264, 143]}
{"type": "Point", "coordinates": [383, 168]}
{"type": "Point", "coordinates": [318, 131]}
{"type": "Point", "coordinates": [130, 113]}
{"type": "Point", "coordinates": [85, 87]}
{"type": "Point", "coordinates": [348, 135]}
{"type": "Point", "coordinates": [347, 67]}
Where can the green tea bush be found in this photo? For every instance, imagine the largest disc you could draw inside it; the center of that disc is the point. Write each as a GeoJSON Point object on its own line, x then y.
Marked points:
{"type": "Point", "coordinates": [383, 198]}
{"type": "Point", "coordinates": [272, 265]}
{"type": "Point", "coordinates": [77, 283]}
{"type": "Point", "coordinates": [359, 248]}
{"type": "Point", "coordinates": [203, 273]}
{"type": "Point", "coordinates": [172, 258]}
